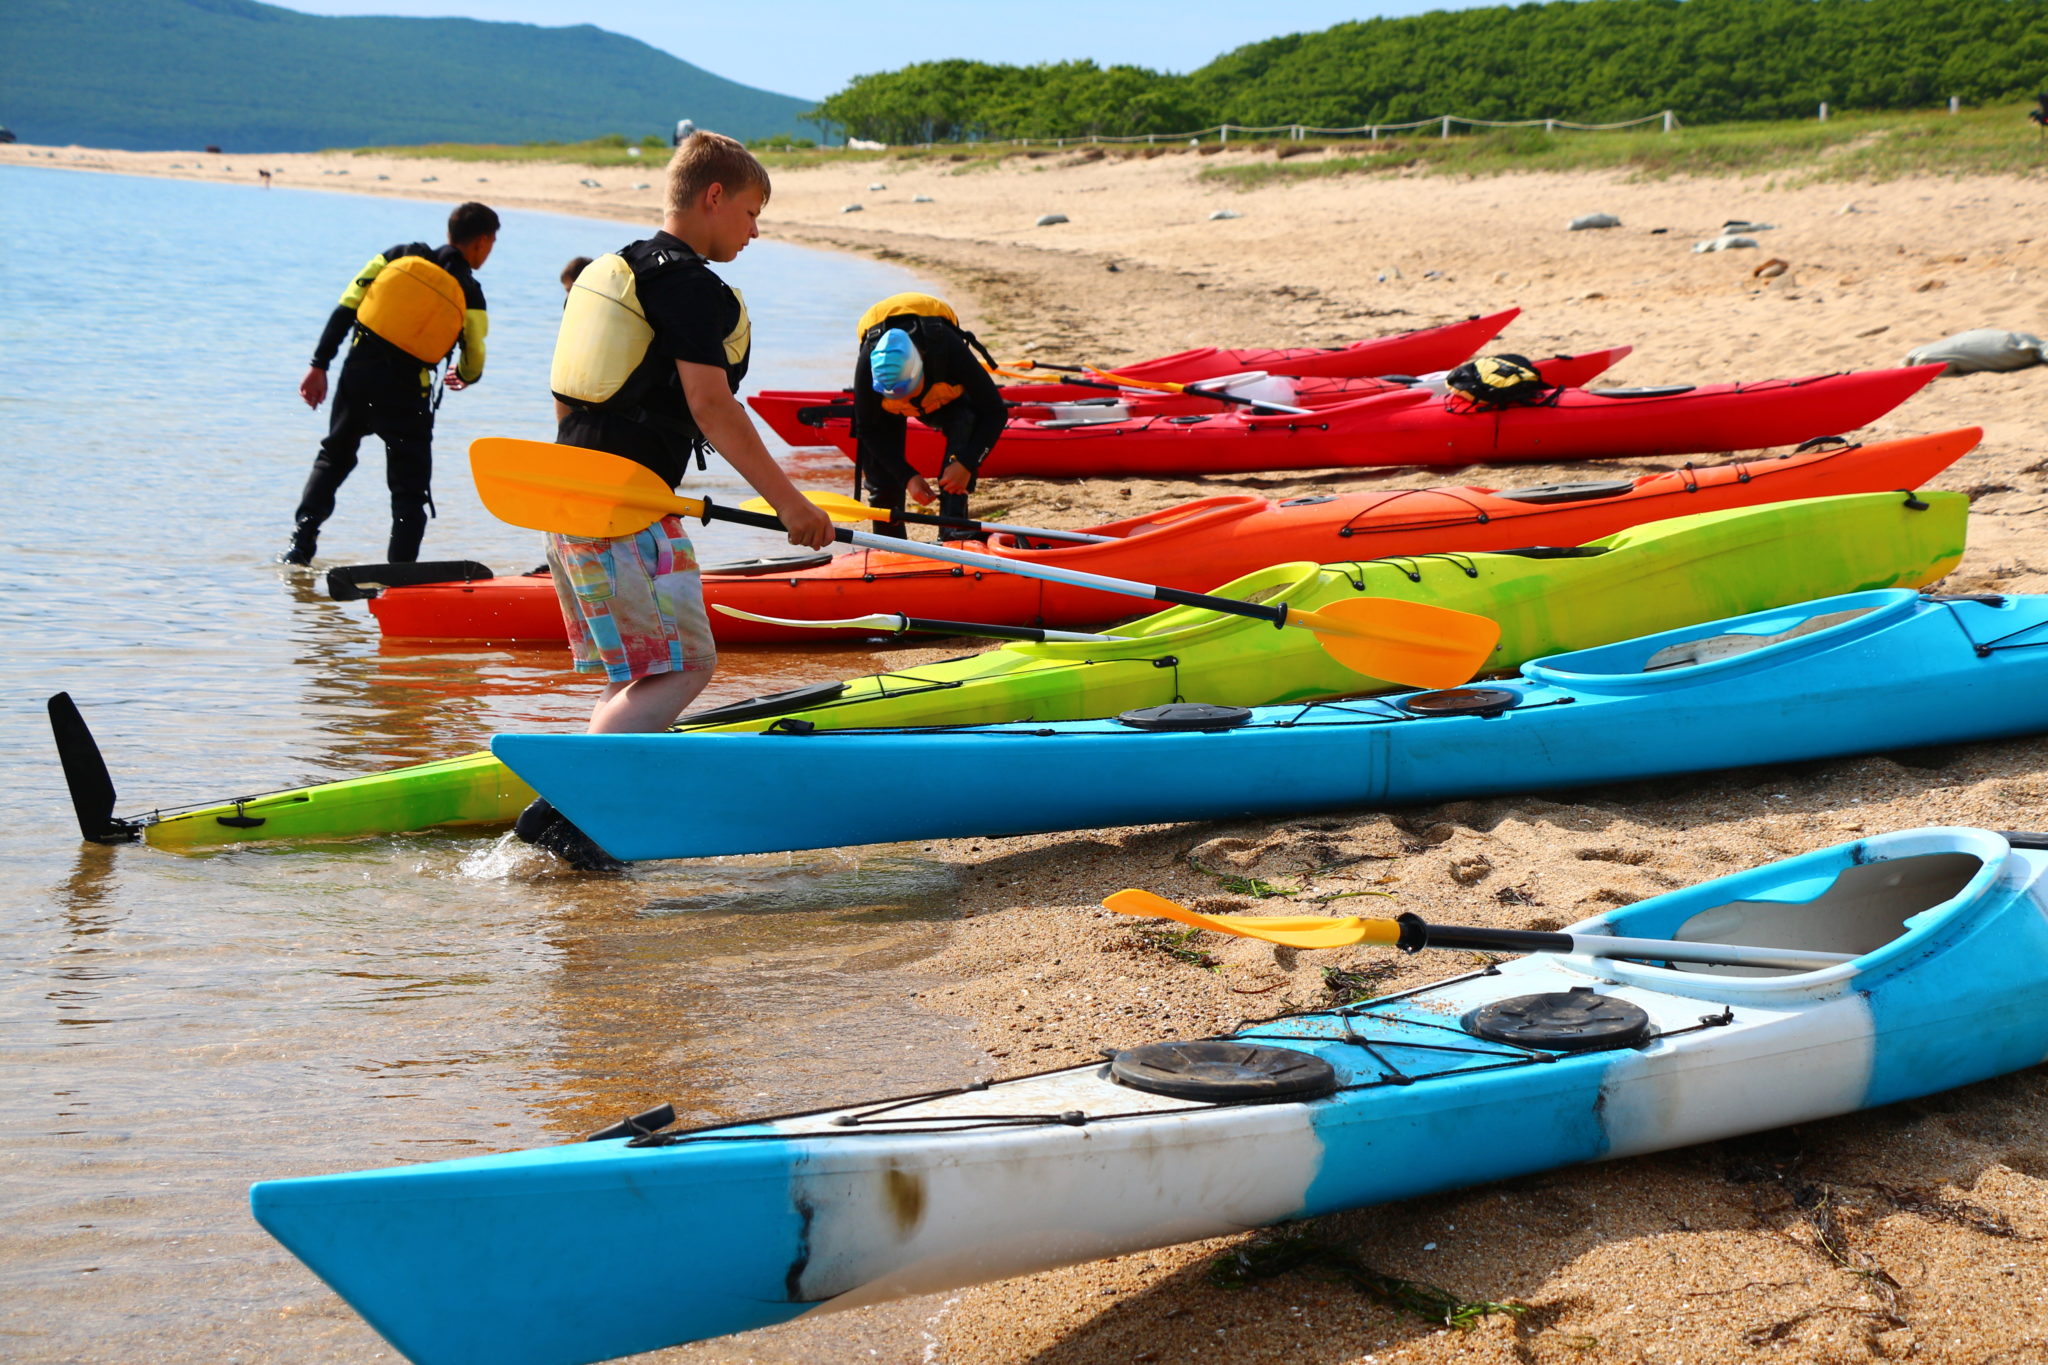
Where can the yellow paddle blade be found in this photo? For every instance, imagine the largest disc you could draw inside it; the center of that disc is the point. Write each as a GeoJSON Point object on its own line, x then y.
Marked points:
{"type": "Point", "coordinates": [1292, 931]}
{"type": "Point", "coordinates": [837, 507]}
{"type": "Point", "coordinates": [1411, 643]}
{"type": "Point", "coordinates": [567, 489]}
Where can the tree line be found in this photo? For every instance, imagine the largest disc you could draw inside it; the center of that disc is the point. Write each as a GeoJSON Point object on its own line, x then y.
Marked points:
{"type": "Point", "coordinates": [1586, 60]}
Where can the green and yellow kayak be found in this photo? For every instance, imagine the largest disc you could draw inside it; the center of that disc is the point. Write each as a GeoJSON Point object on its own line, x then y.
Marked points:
{"type": "Point", "coordinates": [1649, 578]}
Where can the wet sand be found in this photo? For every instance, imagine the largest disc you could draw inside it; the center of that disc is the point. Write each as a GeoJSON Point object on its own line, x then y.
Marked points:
{"type": "Point", "coordinates": [1910, 1232]}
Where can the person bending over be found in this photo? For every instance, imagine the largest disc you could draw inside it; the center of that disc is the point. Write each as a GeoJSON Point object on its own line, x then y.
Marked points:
{"type": "Point", "coordinates": [917, 361]}
{"type": "Point", "coordinates": [652, 348]}
{"type": "Point", "coordinates": [404, 313]}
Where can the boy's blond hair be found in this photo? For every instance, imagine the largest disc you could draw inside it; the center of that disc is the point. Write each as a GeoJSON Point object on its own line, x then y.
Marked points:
{"type": "Point", "coordinates": [706, 159]}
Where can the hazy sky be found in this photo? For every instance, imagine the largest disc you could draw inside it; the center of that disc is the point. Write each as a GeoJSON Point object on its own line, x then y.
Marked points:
{"type": "Point", "coordinates": [811, 48]}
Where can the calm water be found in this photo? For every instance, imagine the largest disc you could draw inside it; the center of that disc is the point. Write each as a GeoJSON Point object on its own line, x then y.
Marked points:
{"type": "Point", "coordinates": [175, 1027]}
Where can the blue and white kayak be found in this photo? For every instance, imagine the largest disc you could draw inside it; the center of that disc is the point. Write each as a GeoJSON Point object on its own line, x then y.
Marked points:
{"type": "Point", "coordinates": [608, 1247]}
{"type": "Point", "coordinates": [1868, 671]}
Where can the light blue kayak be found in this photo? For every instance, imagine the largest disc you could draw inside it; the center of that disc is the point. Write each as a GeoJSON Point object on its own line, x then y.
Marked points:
{"type": "Point", "coordinates": [608, 1247]}
{"type": "Point", "coordinates": [1884, 669]}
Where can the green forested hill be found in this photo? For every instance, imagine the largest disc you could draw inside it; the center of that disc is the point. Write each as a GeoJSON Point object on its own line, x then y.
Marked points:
{"type": "Point", "coordinates": [158, 74]}
{"type": "Point", "coordinates": [1587, 60]}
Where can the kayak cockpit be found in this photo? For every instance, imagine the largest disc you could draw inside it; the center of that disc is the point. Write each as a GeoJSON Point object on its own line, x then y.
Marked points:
{"type": "Point", "coordinates": [1878, 901]}
{"type": "Point", "coordinates": [1862, 909]}
{"type": "Point", "coordinates": [1759, 639]}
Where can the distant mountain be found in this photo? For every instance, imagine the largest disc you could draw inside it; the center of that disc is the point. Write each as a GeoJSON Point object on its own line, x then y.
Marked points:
{"type": "Point", "coordinates": [176, 74]}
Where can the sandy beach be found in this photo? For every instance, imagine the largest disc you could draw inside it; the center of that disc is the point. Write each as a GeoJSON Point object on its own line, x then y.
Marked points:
{"type": "Point", "coordinates": [1909, 1232]}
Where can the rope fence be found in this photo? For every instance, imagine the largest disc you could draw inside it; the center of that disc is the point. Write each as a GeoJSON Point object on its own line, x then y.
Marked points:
{"type": "Point", "coordinates": [1297, 132]}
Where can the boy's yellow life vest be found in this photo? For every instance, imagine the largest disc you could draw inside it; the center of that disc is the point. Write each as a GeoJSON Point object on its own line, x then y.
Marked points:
{"type": "Point", "coordinates": [916, 305]}
{"type": "Point", "coordinates": [416, 306]}
{"type": "Point", "coordinates": [605, 334]}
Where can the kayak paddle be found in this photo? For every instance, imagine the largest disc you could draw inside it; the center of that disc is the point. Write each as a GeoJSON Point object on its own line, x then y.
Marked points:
{"type": "Point", "coordinates": [842, 508]}
{"type": "Point", "coordinates": [1412, 934]}
{"type": "Point", "coordinates": [1218, 389]}
{"type": "Point", "coordinates": [355, 582]}
{"type": "Point", "coordinates": [1105, 379]}
{"type": "Point", "coordinates": [897, 625]}
{"type": "Point", "coordinates": [590, 494]}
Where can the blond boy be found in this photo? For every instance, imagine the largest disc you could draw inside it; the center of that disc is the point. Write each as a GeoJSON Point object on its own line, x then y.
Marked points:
{"type": "Point", "coordinates": [634, 606]}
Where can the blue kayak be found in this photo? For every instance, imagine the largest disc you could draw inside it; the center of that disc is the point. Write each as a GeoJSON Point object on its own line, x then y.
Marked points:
{"type": "Point", "coordinates": [622, 1244]}
{"type": "Point", "coordinates": [1876, 670]}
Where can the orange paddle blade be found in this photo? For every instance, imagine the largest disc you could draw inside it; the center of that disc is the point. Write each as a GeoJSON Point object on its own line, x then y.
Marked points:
{"type": "Point", "coordinates": [567, 489]}
{"type": "Point", "coordinates": [1130, 383]}
{"type": "Point", "coordinates": [1410, 643]}
{"type": "Point", "coordinates": [1292, 931]}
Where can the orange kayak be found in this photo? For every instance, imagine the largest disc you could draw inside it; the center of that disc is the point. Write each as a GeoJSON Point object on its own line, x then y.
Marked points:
{"type": "Point", "coordinates": [1432, 348]}
{"type": "Point", "coordinates": [1195, 546]}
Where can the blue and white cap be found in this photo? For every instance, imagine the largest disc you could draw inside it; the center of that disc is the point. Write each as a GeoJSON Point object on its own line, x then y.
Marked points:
{"type": "Point", "coordinates": [896, 368]}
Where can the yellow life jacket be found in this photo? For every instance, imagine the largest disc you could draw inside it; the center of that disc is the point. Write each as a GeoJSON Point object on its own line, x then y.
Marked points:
{"type": "Point", "coordinates": [916, 305]}
{"type": "Point", "coordinates": [604, 338]}
{"type": "Point", "coordinates": [417, 306]}
{"type": "Point", "coordinates": [604, 333]}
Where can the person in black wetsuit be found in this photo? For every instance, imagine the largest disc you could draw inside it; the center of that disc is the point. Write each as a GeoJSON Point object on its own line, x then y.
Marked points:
{"type": "Point", "coordinates": [917, 361]}
{"type": "Point", "coordinates": [408, 308]}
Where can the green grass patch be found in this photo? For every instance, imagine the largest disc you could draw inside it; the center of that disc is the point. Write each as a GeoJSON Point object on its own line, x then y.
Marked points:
{"type": "Point", "coordinates": [1256, 887]}
{"type": "Point", "coordinates": [1177, 944]}
{"type": "Point", "coordinates": [1296, 1249]}
{"type": "Point", "coordinates": [1356, 985]}
{"type": "Point", "coordinates": [1859, 147]}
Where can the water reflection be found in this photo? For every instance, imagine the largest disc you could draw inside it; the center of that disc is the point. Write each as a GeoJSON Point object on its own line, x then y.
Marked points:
{"type": "Point", "coordinates": [732, 987]}
{"type": "Point", "coordinates": [177, 1026]}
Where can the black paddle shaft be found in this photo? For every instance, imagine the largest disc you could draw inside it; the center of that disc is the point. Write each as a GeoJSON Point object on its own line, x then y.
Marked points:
{"type": "Point", "coordinates": [1417, 935]}
{"type": "Point", "coordinates": [927, 626]}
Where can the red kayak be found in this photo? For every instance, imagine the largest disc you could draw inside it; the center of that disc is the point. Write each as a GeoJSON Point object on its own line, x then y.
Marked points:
{"type": "Point", "coordinates": [1433, 348]}
{"type": "Point", "coordinates": [1569, 371]}
{"type": "Point", "coordinates": [1194, 546]}
{"type": "Point", "coordinates": [1418, 427]}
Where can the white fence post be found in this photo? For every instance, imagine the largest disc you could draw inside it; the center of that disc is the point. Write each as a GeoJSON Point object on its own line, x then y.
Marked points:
{"type": "Point", "coordinates": [1955, 103]}
{"type": "Point", "coordinates": [1823, 111]}
{"type": "Point", "coordinates": [1298, 132]}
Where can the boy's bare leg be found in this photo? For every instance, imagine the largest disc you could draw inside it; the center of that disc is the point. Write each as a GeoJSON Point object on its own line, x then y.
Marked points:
{"type": "Point", "coordinates": [648, 704]}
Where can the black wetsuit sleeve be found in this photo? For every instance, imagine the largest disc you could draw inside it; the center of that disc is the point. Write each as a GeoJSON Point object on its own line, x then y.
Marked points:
{"type": "Point", "coordinates": [878, 431]}
{"type": "Point", "coordinates": [331, 337]}
{"type": "Point", "coordinates": [970, 443]}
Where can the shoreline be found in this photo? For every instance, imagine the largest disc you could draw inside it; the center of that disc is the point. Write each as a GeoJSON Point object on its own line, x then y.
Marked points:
{"type": "Point", "coordinates": [1888, 1234]}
